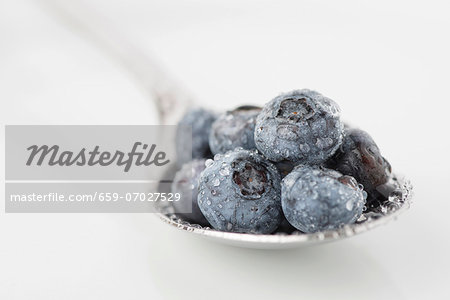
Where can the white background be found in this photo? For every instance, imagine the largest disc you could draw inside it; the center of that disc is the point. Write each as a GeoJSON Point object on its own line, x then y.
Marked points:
{"type": "Point", "coordinates": [385, 62]}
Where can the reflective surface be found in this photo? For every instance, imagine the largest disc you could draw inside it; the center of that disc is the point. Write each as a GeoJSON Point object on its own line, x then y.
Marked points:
{"type": "Point", "coordinates": [399, 201]}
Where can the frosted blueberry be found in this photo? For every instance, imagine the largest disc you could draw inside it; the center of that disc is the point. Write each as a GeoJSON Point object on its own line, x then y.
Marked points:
{"type": "Point", "coordinates": [247, 198]}
{"type": "Point", "coordinates": [360, 157]}
{"type": "Point", "coordinates": [186, 183]}
{"type": "Point", "coordinates": [316, 199]}
{"type": "Point", "coordinates": [234, 129]}
{"type": "Point", "coordinates": [300, 126]}
{"type": "Point", "coordinates": [200, 120]}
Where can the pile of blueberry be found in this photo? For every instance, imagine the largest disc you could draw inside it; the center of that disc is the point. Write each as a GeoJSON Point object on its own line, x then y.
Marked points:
{"type": "Point", "coordinates": [290, 165]}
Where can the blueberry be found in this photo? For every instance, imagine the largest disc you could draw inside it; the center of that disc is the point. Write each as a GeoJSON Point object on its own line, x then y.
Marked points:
{"type": "Point", "coordinates": [240, 192]}
{"type": "Point", "coordinates": [186, 183]}
{"type": "Point", "coordinates": [284, 167]}
{"type": "Point", "coordinates": [380, 195]}
{"type": "Point", "coordinates": [315, 199]}
{"type": "Point", "coordinates": [285, 226]}
{"type": "Point", "coordinates": [200, 120]}
{"type": "Point", "coordinates": [234, 129]}
{"type": "Point", "coordinates": [301, 126]}
{"type": "Point", "coordinates": [360, 157]}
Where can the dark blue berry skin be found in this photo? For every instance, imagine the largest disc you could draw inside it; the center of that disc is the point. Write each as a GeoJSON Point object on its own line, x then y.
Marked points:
{"type": "Point", "coordinates": [360, 157]}
{"type": "Point", "coordinates": [186, 183]}
{"type": "Point", "coordinates": [168, 175]}
{"type": "Point", "coordinates": [240, 192]}
{"type": "Point", "coordinates": [300, 126]}
{"type": "Point", "coordinates": [317, 199]}
{"type": "Point", "coordinates": [200, 120]}
{"type": "Point", "coordinates": [380, 195]}
{"type": "Point", "coordinates": [285, 226]}
{"type": "Point", "coordinates": [284, 167]}
{"type": "Point", "coordinates": [234, 129]}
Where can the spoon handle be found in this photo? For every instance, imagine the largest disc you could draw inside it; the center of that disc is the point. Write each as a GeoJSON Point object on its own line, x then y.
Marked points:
{"type": "Point", "coordinates": [170, 98]}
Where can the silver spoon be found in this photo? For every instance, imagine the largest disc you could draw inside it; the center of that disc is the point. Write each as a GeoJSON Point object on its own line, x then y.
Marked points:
{"type": "Point", "coordinates": [398, 202]}
{"type": "Point", "coordinates": [172, 100]}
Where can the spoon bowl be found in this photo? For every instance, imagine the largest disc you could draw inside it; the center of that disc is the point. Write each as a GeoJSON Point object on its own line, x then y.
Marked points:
{"type": "Point", "coordinates": [399, 201]}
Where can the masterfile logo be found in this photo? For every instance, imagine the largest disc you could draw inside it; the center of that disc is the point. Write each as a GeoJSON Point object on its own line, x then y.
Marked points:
{"type": "Point", "coordinates": [53, 156]}
{"type": "Point", "coordinates": [90, 168]}
{"type": "Point", "coordinates": [72, 152]}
